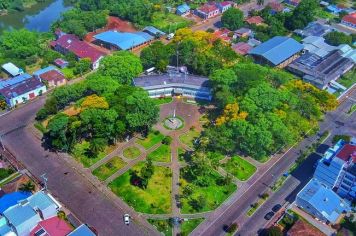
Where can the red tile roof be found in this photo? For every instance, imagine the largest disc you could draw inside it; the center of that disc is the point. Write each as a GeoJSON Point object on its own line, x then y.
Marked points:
{"type": "Point", "coordinates": [60, 62]}
{"type": "Point", "coordinates": [207, 8]}
{"type": "Point", "coordinates": [53, 75]}
{"type": "Point", "coordinates": [225, 3]}
{"type": "Point", "coordinates": [241, 48]}
{"type": "Point", "coordinates": [223, 34]}
{"type": "Point", "coordinates": [80, 48]}
{"type": "Point", "coordinates": [351, 18]}
{"type": "Point", "coordinates": [255, 20]}
{"type": "Point", "coordinates": [53, 226]}
{"type": "Point", "coordinates": [303, 228]}
{"type": "Point", "coordinates": [276, 6]}
{"type": "Point", "coordinates": [347, 151]}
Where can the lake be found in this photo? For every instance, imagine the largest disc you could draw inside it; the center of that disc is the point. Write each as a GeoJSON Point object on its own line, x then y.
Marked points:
{"type": "Point", "coordinates": [37, 18]}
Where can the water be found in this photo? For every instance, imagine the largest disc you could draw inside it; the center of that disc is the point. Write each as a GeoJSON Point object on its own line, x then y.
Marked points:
{"type": "Point", "coordinates": [37, 18]}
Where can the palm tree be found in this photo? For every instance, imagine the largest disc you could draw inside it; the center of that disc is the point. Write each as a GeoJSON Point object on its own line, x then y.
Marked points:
{"type": "Point", "coordinates": [29, 186]}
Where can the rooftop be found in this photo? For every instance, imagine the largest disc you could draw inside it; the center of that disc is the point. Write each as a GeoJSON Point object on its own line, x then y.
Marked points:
{"type": "Point", "coordinates": [241, 48]}
{"type": "Point", "coordinates": [44, 70]}
{"type": "Point", "coordinates": [53, 227]}
{"type": "Point", "coordinates": [41, 200]}
{"type": "Point", "coordinates": [183, 8]}
{"type": "Point", "coordinates": [82, 230]}
{"type": "Point", "coordinates": [324, 200]}
{"type": "Point", "coordinates": [317, 45]}
{"type": "Point", "coordinates": [124, 40]}
{"type": "Point", "coordinates": [21, 88]}
{"type": "Point", "coordinates": [52, 75]}
{"type": "Point", "coordinates": [15, 80]}
{"type": "Point", "coordinates": [276, 6]}
{"type": "Point", "coordinates": [346, 152]}
{"type": "Point", "coordinates": [277, 49]}
{"type": "Point", "coordinates": [12, 69]}
{"type": "Point", "coordinates": [21, 214]}
{"type": "Point", "coordinates": [351, 18]}
{"type": "Point", "coordinates": [254, 20]}
{"type": "Point", "coordinates": [11, 199]}
{"type": "Point", "coordinates": [207, 8]}
{"type": "Point", "coordinates": [302, 227]}
{"type": "Point", "coordinates": [153, 31]}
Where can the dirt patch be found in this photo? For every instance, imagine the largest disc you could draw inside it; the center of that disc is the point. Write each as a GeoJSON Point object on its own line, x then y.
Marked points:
{"type": "Point", "coordinates": [72, 111]}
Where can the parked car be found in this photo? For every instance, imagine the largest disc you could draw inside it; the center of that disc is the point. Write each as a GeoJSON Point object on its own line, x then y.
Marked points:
{"type": "Point", "coordinates": [127, 219]}
{"type": "Point", "coordinates": [276, 207]}
{"type": "Point", "coordinates": [269, 215]}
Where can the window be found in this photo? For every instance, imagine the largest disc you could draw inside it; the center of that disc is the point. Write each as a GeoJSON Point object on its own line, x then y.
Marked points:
{"type": "Point", "coordinates": [40, 232]}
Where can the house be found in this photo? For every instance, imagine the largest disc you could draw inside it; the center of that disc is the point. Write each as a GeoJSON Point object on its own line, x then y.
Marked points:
{"type": "Point", "coordinates": [61, 63]}
{"type": "Point", "coordinates": [82, 230]}
{"type": "Point", "coordinates": [11, 199]}
{"type": "Point", "coordinates": [66, 43]}
{"type": "Point", "coordinates": [115, 40]}
{"type": "Point", "coordinates": [223, 6]}
{"type": "Point", "coordinates": [11, 69]}
{"type": "Point", "coordinates": [153, 31]}
{"type": "Point", "coordinates": [207, 11]}
{"type": "Point", "coordinates": [241, 48]}
{"type": "Point", "coordinates": [302, 227]}
{"type": "Point", "coordinates": [15, 80]}
{"type": "Point", "coordinates": [321, 202]}
{"type": "Point", "coordinates": [348, 52]}
{"type": "Point", "coordinates": [293, 2]}
{"type": "Point", "coordinates": [334, 9]}
{"type": "Point", "coordinates": [322, 72]}
{"type": "Point", "coordinates": [45, 204]}
{"type": "Point", "coordinates": [243, 32]}
{"type": "Point", "coordinates": [50, 76]}
{"type": "Point", "coordinates": [175, 84]}
{"type": "Point", "coordinates": [349, 20]}
{"type": "Point", "coordinates": [276, 7]}
{"type": "Point", "coordinates": [315, 28]}
{"type": "Point", "coordinates": [23, 91]}
{"type": "Point", "coordinates": [317, 45]}
{"type": "Point", "coordinates": [337, 169]}
{"type": "Point", "coordinates": [223, 34]}
{"type": "Point", "coordinates": [51, 227]}
{"type": "Point", "coordinates": [253, 42]}
{"type": "Point", "coordinates": [277, 52]}
{"type": "Point", "coordinates": [183, 10]}
{"type": "Point", "coordinates": [255, 20]}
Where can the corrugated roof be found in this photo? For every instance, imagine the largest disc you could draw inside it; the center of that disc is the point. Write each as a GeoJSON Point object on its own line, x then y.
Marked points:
{"type": "Point", "coordinates": [44, 70]}
{"type": "Point", "coordinates": [15, 80]}
{"type": "Point", "coordinates": [12, 69]}
{"type": "Point", "coordinates": [82, 230]}
{"type": "Point", "coordinates": [53, 226]}
{"type": "Point", "coordinates": [277, 49]}
{"type": "Point", "coordinates": [21, 215]}
{"type": "Point", "coordinates": [11, 199]}
{"type": "Point", "coordinates": [153, 31]}
{"type": "Point", "coordinates": [21, 88]}
{"type": "Point", "coordinates": [124, 40]}
{"type": "Point", "coordinates": [183, 8]}
{"type": "Point", "coordinates": [347, 151]}
{"type": "Point", "coordinates": [41, 201]}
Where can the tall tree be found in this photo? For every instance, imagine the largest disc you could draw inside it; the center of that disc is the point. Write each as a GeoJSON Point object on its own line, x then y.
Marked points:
{"type": "Point", "coordinates": [232, 18]}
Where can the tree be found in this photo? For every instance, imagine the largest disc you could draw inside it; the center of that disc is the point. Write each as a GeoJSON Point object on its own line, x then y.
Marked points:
{"type": "Point", "coordinates": [82, 66]}
{"type": "Point", "coordinates": [302, 14]}
{"type": "Point", "coordinates": [57, 130]}
{"type": "Point", "coordinates": [3, 104]}
{"type": "Point", "coordinates": [232, 18]}
{"type": "Point", "coordinates": [122, 66]}
{"type": "Point", "coordinates": [156, 55]}
{"type": "Point", "coordinates": [274, 231]}
{"type": "Point", "coordinates": [28, 186]}
{"type": "Point", "coordinates": [336, 38]}
{"type": "Point", "coordinates": [97, 145]}
{"type": "Point", "coordinates": [94, 101]}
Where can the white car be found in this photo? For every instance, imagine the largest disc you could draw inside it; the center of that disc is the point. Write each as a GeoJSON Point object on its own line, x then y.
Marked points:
{"type": "Point", "coordinates": [127, 219]}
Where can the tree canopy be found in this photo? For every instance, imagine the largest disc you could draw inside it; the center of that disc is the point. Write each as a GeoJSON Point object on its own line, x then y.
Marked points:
{"type": "Point", "coordinates": [336, 38]}
{"type": "Point", "coordinates": [232, 18]}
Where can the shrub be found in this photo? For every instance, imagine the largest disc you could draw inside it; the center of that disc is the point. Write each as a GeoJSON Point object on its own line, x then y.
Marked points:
{"type": "Point", "coordinates": [167, 140]}
{"type": "Point", "coordinates": [336, 138]}
{"type": "Point", "coordinates": [41, 114]}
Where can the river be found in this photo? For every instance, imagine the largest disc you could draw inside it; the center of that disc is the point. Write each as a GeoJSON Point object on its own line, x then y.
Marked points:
{"type": "Point", "coordinates": [37, 18]}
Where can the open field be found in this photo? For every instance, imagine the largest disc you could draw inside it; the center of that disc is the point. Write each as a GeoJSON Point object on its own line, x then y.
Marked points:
{"type": "Point", "coordinates": [188, 226]}
{"type": "Point", "coordinates": [161, 154]}
{"type": "Point", "coordinates": [131, 152]}
{"type": "Point", "coordinates": [106, 170]}
{"type": "Point", "coordinates": [152, 139]}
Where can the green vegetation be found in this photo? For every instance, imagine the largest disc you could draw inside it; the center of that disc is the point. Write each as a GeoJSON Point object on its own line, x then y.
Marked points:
{"type": "Point", "coordinates": [232, 19]}
{"type": "Point", "coordinates": [155, 198]}
{"type": "Point", "coordinates": [348, 223]}
{"type": "Point", "coordinates": [189, 225]}
{"type": "Point", "coordinates": [17, 5]}
{"type": "Point", "coordinates": [161, 101]}
{"type": "Point", "coordinates": [163, 226]}
{"type": "Point", "coordinates": [257, 204]}
{"type": "Point", "coordinates": [81, 152]}
{"type": "Point", "coordinates": [348, 79]}
{"type": "Point", "coordinates": [161, 154]}
{"type": "Point", "coordinates": [40, 127]}
{"type": "Point", "coordinates": [352, 109]}
{"type": "Point", "coordinates": [240, 168]}
{"type": "Point", "coordinates": [10, 178]}
{"type": "Point", "coordinates": [279, 183]}
{"type": "Point", "coordinates": [108, 169]}
{"type": "Point", "coordinates": [168, 22]}
{"type": "Point", "coordinates": [131, 152]}
{"type": "Point", "coordinates": [152, 139]}
{"type": "Point", "coordinates": [337, 137]}
{"type": "Point", "coordinates": [189, 137]}
{"type": "Point", "coordinates": [336, 38]}
{"type": "Point", "coordinates": [5, 172]}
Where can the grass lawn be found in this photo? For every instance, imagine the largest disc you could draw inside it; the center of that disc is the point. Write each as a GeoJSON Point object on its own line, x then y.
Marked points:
{"type": "Point", "coordinates": [108, 169]}
{"type": "Point", "coordinates": [161, 154]}
{"type": "Point", "coordinates": [189, 137]}
{"type": "Point", "coordinates": [155, 199]}
{"type": "Point", "coordinates": [6, 172]}
{"type": "Point", "coordinates": [240, 168]}
{"type": "Point", "coordinates": [160, 101]}
{"type": "Point", "coordinates": [321, 13]}
{"type": "Point", "coordinates": [79, 153]}
{"type": "Point", "coordinates": [131, 152]}
{"type": "Point", "coordinates": [348, 79]}
{"type": "Point", "coordinates": [163, 226]}
{"type": "Point", "coordinates": [213, 193]}
{"type": "Point", "coordinates": [352, 109]}
{"type": "Point", "coordinates": [168, 21]}
{"type": "Point", "coordinates": [188, 226]}
{"type": "Point", "coordinates": [152, 139]}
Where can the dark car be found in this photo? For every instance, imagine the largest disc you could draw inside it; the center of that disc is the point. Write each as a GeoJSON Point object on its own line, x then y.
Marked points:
{"type": "Point", "coordinates": [276, 207]}
{"type": "Point", "coordinates": [269, 215]}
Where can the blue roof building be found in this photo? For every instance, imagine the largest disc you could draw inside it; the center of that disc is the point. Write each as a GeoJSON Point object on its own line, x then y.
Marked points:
{"type": "Point", "coordinates": [11, 199]}
{"type": "Point", "coordinates": [321, 202]}
{"type": "Point", "coordinates": [39, 72]}
{"type": "Point", "coordinates": [115, 40]}
{"type": "Point", "coordinates": [182, 9]}
{"type": "Point", "coordinates": [15, 80]}
{"type": "Point", "coordinates": [153, 31]}
{"type": "Point", "coordinates": [278, 51]}
{"type": "Point", "coordinates": [44, 203]}
{"type": "Point", "coordinates": [82, 230]}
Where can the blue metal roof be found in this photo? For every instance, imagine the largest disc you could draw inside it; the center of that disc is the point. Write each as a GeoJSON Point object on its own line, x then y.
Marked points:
{"type": "Point", "coordinates": [183, 8]}
{"type": "Point", "coordinates": [41, 201]}
{"type": "Point", "coordinates": [15, 80]}
{"type": "Point", "coordinates": [22, 215]}
{"type": "Point", "coordinates": [153, 30]}
{"type": "Point", "coordinates": [11, 199]}
{"type": "Point", "coordinates": [82, 230]}
{"type": "Point", "coordinates": [324, 200]}
{"type": "Point", "coordinates": [44, 70]}
{"type": "Point", "coordinates": [277, 49]}
{"type": "Point", "coordinates": [124, 40]}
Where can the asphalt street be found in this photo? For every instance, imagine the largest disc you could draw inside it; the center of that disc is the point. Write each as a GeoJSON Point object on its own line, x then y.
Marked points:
{"type": "Point", "coordinates": [79, 195]}
{"type": "Point", "coordinates": [237, 209]}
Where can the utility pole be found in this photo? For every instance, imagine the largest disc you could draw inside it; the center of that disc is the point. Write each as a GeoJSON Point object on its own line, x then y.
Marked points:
{"type": "Point", "coordinates": [2, 144]}
{"type": "Point", "coordinates": [45, 179]}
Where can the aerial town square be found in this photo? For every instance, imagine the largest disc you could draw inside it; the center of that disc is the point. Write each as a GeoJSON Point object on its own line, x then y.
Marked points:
{"type": "Point", "coordinates": [177, 117]}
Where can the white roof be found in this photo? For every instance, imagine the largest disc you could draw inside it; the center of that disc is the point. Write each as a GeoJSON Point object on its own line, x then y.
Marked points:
{"type": "Point", "coordinates": [12, 69]}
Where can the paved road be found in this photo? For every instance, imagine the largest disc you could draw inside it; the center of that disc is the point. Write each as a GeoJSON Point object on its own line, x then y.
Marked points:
{"type": "Point", "coordinates": [75, 191]}
{"type": "Point", "coordinates": [213, 225]}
